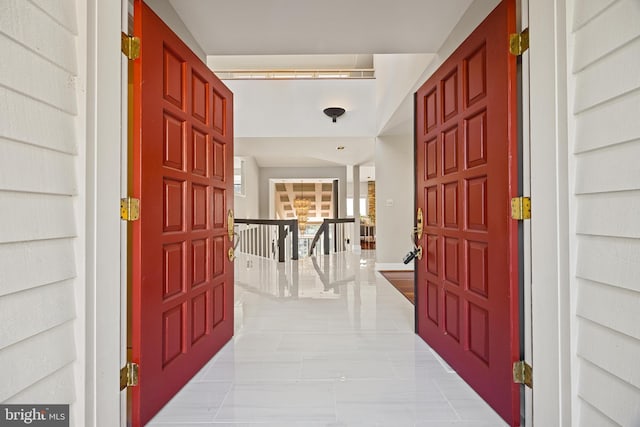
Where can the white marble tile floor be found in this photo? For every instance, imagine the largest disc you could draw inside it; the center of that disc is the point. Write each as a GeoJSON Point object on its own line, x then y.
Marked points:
{"type": "Point", "coordinates": [330, 349]}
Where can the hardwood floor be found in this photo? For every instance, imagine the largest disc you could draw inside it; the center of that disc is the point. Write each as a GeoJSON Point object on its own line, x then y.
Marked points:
{"type": "Point", "coordinates": [403, 281]}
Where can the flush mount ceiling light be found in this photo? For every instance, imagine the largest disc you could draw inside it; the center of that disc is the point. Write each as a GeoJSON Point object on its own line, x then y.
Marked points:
{"type": "Point", "coordinates": [334, 112]}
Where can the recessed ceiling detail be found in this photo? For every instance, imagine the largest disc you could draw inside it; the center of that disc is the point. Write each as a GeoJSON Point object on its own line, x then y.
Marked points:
{"type": "Point", "coordinates": [318, 194]}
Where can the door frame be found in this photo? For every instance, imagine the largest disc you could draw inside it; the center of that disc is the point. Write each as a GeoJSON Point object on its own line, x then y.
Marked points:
{"type": "Point", "coordinates": [126, 141]}
{"type": "Point", "coordinates": [103, 304]}
{"type": "Point", "coordinates": [550, 306]}
{"type": "Point", "coordinates": [550, 258]}
{"type": "Point", "coordinates": [524, 143]}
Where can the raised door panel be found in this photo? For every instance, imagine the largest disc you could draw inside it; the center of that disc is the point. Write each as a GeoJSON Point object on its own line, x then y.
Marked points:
{"type": "Point", "coordinates": [466, 174]}
{"type": "Point", "coordinates": [182, 280]}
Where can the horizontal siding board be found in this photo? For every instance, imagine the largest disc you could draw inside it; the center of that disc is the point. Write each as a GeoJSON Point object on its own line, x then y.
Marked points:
{"type": "Point", "coordinates": [54, 129]}
{"type": "Point", "coordinates": [25, 314]}
{"type": "Point", "coordinates": [609, 306]}
{"type": "Point", "coordinates": [605, 51]}
{"type": "Point", "coordinates": [586, 10]}
{"type": "Point", "coordinates": [62, 11]}
{"type": "Point", "coordinates": [608, 124]}
{"type": "Point", "coordinates": [613, 168]}
{"type": "Point", "coordinates": [591, 417]}
{"type": "Point", "coordinates": [595, 39]}
{"type": "Point", "coordinates": [35, 217]}
{"type": "Point", "coordinates": [609, 214]}
{"type": "Point", "coordinates": [36, 77]}
{"type": "Point", "coordinates": [612, 76]}
{"type": "Point", "coordinates": [617, 399]}
{"type": "Point", "coordinates": [26, 265]}
{"type": "Point", "coordinates": [49, 171]}
{"type": "Point", "coordinates": [29, 361]}
{"type": "Point", "coordinates": [616, 353]}
{"type": "Point", "coordinates": [32, 27]}
{"type": "Point", "coordinates": [55, 389]}
{"type": "Point", "coordinates": [609, 260]}
{"type": "Point", "coordinates": [39, 131]}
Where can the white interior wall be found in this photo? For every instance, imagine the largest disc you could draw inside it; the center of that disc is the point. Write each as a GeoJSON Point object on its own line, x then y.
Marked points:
{"type": "Point", "coordinates": [363, 188]}
{"type": "Point", "coordinates": [604, 137]}
{"type": "Point", "coordinates": [247, 205]}
{"type": "Point", "coordinates": [293, 108]}
{"type": "Point", "coordinates": [394, 201]}
{"type": "Point", "coordinates": [396, 75]}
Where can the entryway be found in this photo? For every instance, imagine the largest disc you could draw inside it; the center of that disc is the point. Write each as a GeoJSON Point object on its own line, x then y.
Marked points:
{"type": "Point", "coordinates": [343, 355]}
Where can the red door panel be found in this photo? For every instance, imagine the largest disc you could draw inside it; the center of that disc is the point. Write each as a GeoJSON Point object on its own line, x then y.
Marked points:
{"type": "Point", "coordinates": [182, 279]}
{"type": "Point", "coordinates": [466, 174]}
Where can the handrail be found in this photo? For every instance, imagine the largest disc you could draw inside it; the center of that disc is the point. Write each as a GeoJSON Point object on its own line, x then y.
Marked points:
{"type": "Point", "coordinates": [282, 234]}
{"type": "Point", "coordinates": [324, 228]}
{"type": "Point", "coordinates": [321, 230]}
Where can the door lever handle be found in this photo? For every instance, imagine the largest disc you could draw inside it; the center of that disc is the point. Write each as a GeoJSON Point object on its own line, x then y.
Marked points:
{"type": "Point", "coordinates": [416, 252]}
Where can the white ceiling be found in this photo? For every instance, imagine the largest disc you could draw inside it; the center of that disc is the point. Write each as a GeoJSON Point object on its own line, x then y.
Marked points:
{"type": "Point", "coordinates": [303, 27]}
{"type": "Point", "coordinates": [308, 152]}
{"type": "Point", "coordinates": [306, 34]}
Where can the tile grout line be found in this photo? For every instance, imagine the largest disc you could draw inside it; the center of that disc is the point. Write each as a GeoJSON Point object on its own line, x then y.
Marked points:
{"type": "Point", "coordinates": [226, 396]}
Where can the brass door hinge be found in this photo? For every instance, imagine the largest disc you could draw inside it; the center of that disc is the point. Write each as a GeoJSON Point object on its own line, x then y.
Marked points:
{"type": "Point", "coordinates": [129, 209]}
{"type": "Point", "coordinates": [130, 46]}
{"type": "Point", "coordinates": [521, 208]}
{"type": "Point", "coordinates": [519, 42]}
{"type": "Point", "coordinates": [129, 375]}
{"type": "Point", "coordinates": [523, 373]}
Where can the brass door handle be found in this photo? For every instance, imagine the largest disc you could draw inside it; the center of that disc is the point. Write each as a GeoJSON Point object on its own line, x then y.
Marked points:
{"type": "Point", "coordinates": [230, 225]}
{"type": "Point", "coordinates": [419, 224]}
{"type": "Point", "coordinates": [231, 254]}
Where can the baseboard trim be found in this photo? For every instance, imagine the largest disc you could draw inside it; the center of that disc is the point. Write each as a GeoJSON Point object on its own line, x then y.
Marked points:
{"type": "Point", "coordinates": [393, 266]}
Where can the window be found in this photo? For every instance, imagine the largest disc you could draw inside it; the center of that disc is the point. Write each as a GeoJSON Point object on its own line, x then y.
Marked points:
{"type": "Point", "coordinates": [363, 206]}
{"type": "Point", "coordinates": [238, 176]}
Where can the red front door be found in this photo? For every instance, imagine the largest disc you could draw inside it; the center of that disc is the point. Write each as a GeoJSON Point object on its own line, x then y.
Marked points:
{"type": "Point", "coordinates": [182, 278]}
{"type": "Point", "coordinates": [466, 174]}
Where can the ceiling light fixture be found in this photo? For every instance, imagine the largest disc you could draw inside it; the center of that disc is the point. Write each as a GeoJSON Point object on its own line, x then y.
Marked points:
{"type": "Point", "coordinates": [301, 206]}
{"type": "Point", "coordinates": [334, 112]}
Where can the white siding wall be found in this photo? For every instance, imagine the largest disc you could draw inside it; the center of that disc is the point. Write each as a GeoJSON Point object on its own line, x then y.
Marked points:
{"type": "Point", "coordinates": [39, 128]}
{"type": "Point", "coordinates": [605, 136]}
